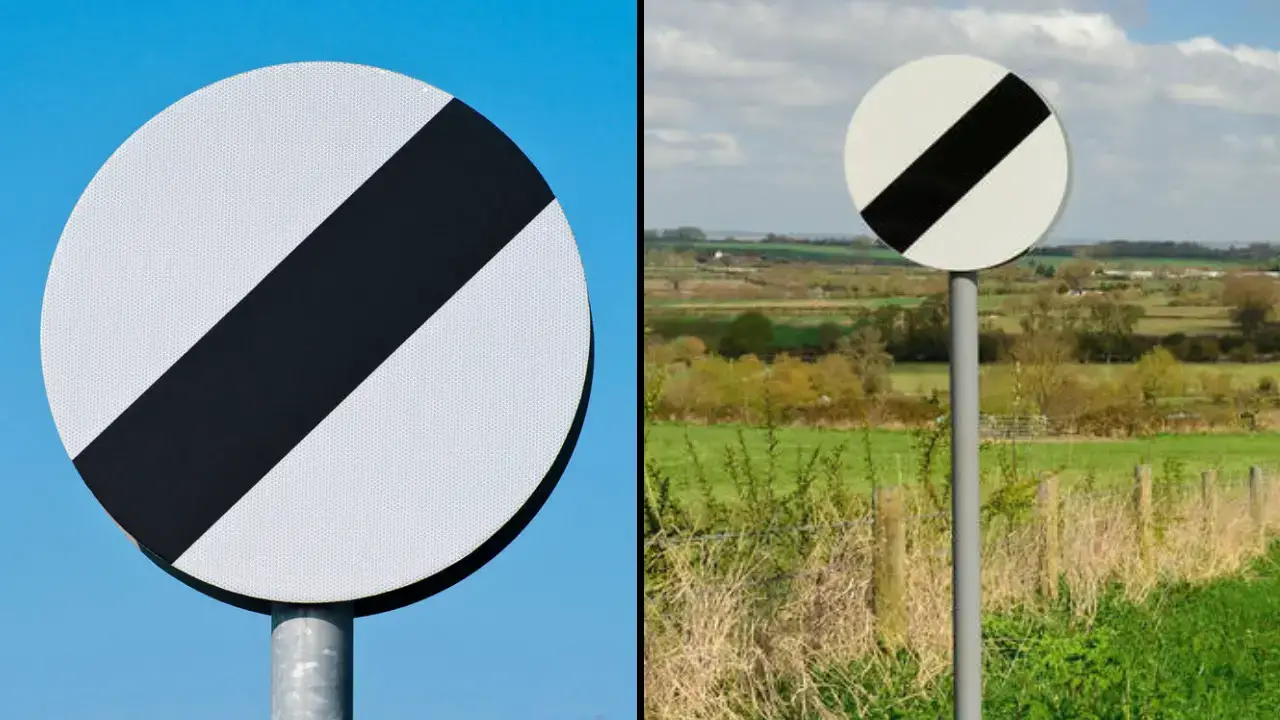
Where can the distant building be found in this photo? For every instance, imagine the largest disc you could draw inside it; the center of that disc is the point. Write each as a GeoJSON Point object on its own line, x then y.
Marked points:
{"type": "Point", "coordinates": [1130, 274]}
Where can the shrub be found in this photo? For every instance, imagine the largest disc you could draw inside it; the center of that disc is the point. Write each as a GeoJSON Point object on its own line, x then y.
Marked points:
{"type": "Point", "coordinates": [1158, 374]}
{"type": "Point", "coordinates": [789, 388]}
{"type": "Point", "coordinates": [829, 335]}
{"type": "Point", "coordinates": [834, 379]}
{"type": "Point", "coordinates": [1267, 385]}
{"type": "Point", "coordinates": [751, 333]}
{"type": "Point", "coordinates": [687, 347]}
{"type": "Point", "coordinates": [1246, 353]}
{"type": "Point", "coordinates": [1218, 387]}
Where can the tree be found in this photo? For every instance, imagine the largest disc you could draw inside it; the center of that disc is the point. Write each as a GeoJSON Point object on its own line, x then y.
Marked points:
{"type": "Point", "coordinates": [684, 234]}
{"type": "Point", "coordinates": [1202, 349]}
{"type": "Point", "coordinates": [865, 350]}
{"type": "Point", "coordinates": [834, 377]}
{"type": "Point", "coordinates": [1077, 273]}
{"type": "Point", "coordinates": [1114, 322]}
{"type": "Point", "coordinates": [745, 386]}
{"type": "Point", "coordinates": [789, 385]}
{"type": "Point", "coordinates": [751, 333]}
{"type": "Point", "coordinates": [1158, 374]}
{"type": "Point", "coordinates": [829, 335]}
{"type": "Point", "coordinates": [1252, 299]}
{"type": "Point", "coordinates": [686, 348]}
{"type": "Point", "coordinates": [1042, 312]}
{"type": "Point", "coordinates": [1044, 358]}
{"type": "Point", "coordinates": [1007, 276]}
{"type": "Point", "coordinates": [926, 328]}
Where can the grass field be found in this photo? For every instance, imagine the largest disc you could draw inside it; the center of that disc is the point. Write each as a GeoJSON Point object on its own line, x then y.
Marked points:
{"type": "Point", "coordinates": [1033, 258]}
{"type": "Point", "coordinates": [894, 459]}
{"type": "Point", "coordinates": [814, 251]}
{"type": "Point", "coordinates": [1160, 318]}
{"type": "Point", "coordinates": [780, 306]}
{"type": "Point", "coordinates": [838, 253]}
{"type": "Point", "coordinates": [923, 378]}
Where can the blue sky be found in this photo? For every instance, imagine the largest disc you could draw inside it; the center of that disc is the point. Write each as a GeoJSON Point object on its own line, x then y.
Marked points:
{"type": "Point", "coordinates": [91, 628]}
{"type": "Point", "coordinates": [1245, 22]}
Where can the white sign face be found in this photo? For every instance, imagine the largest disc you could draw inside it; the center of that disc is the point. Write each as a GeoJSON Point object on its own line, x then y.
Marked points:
{"type": "Point", "coordinates": [318, 333]}
{"type": "Point", "coordinates": [956, 163]}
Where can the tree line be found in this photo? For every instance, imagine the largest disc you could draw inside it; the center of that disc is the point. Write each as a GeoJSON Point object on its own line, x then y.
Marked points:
{"type": "Point", "coordinates": [1252, 253]}
{"type": "Point", "coordinates": [1096, 329]}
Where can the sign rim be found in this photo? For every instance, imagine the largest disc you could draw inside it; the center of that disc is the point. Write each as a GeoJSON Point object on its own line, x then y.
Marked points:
{"type": "Point", "coordinates": [493, 541]}
{"type": "Point", "coordinates": [1054, 116]}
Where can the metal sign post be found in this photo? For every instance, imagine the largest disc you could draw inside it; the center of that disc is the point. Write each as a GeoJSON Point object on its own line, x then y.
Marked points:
{"type": "Point", "coordinates": [966, 565]}
{"type": "Point", "coordinates": [959, 165]}
{"type": "Point", "coordinates": [311, 669]}
{"type": "Point", "coordinates": [317, 337]}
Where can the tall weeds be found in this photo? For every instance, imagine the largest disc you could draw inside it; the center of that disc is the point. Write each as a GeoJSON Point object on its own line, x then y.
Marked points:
{"type": "Point", "coordinates": [757, 601]}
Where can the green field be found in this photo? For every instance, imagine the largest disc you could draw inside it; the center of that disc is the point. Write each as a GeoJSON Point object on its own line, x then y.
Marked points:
{"type": "Point", "coordinates": [923, 378]}
{"type": "Point", "coordinates": [1160, 319]}
{"type": "Point", "coordinates": [813, 251]}
{"type": "Point", "coordinates": [846, 253]}
{"type": "Point", "coordinates": [781, 306]}
{"type": "Point", "coordinates": [894, 460]}
{"type": "Point", "coordinates": [1033, 258]}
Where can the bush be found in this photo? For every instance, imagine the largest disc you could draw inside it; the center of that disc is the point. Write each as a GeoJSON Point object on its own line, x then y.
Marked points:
{"type": "Point", "coordinates": [789, 389]}
{"type": "Point", "coordinates": [1218, 387]}
{"type": "Point", "coordinates": [751, 333]}
{"type": "Point", "coordinates": [834, 379]}
{"type": "Point", "coordinates": [1267, 385]}
{"type": "Point", "coordinates": [1246, 353]}
{"type": "Point", "coordinates": [686, 348]}
{"type": "Point", "coordinates": [1159, 375]}
{"type": "Point", "coordinates": [829, 335]}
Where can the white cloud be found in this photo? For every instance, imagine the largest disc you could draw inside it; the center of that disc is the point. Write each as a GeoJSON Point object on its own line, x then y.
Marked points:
{"type": "Point", "coordinates": [666, 147]}
{"type": "Point", "coordinates": [768, 86]}
{"type": "Point", "coordinates": [662, 109]}
{"type": "Point", "coordinates": [674, 50]}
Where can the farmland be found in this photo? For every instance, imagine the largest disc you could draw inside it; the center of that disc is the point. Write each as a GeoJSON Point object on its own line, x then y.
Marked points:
{"type": "Point", "coordinates": [787, 384]}
{"type": "Point", "coordinates": [1193, 328]}
{"type": "Point", "coordinates": [923, 378]}
{"type": "Point", "coordinates": [894, 455]}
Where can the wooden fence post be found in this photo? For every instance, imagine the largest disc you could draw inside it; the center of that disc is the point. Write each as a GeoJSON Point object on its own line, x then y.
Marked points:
{"type": "Point", "coordinates": [1047, 511]}
{"type": "Point", "coordinates": [1142, 509]}
{"type": "Point", "coordinates": [1209, 502]}
{"type": "Point", "coordinates": [1257, 503]}
{"type": "Point", "coordinates": [890, 598]}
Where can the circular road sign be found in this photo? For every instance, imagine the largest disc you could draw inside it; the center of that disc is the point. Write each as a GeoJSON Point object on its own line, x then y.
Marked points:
{"type": "Point", "coordinates": [956, 163]}
{"type": "Point", "coordinates": [318, 333]}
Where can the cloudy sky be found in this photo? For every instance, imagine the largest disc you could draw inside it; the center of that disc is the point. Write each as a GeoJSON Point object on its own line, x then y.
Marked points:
{"type": "Point", "coordinates": [1172, 109]}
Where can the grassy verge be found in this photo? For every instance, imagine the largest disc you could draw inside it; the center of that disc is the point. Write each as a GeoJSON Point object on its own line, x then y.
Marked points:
{"type": "Point", "coordinates": [781, 628]}
{"type": "Point", "coordinates": [1208, 651]}
{"type": "Point", "coordinates": [759, 606]}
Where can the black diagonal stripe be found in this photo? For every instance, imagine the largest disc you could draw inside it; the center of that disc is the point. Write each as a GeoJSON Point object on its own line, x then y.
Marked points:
{"type": "Point", "coordinates": [316, 326]}
{"type": "Point", "coordinates": [955, 162]}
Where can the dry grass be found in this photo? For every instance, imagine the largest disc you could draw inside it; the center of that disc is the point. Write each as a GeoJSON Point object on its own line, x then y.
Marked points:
{"type": "Point", "coordinates": [719, 638]}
